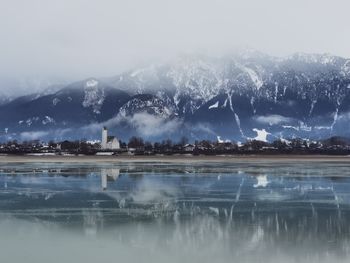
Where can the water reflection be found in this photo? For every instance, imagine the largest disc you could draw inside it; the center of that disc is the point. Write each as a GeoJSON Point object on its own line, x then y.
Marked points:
{"type": "Point", "coordinates": [201, 213]}
{"type": "Point", "coordinates": [110, 174]}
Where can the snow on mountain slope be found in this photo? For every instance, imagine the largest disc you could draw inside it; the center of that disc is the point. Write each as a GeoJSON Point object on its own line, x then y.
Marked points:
{"type": "Point", "coordinates": [198, 79]}
{"type": "Point", "coordinates": [94, 96]}
{"type": "Point", "coordinates": [146, 103]}
{"type": "Point", "coordinates": [304, 89]}
{"type": "Point", "coordinates": [304, 95]}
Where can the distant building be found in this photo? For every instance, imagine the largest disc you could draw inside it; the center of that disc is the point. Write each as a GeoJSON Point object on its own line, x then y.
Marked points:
{"type": "Point", "coordinates": [189, 148]}
{"type": "Point", "coordinates": [109, 142]}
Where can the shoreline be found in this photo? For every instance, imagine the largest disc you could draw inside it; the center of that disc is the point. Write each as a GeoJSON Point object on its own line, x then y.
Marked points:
{"type": "Point", "coordinates": [171, 159]}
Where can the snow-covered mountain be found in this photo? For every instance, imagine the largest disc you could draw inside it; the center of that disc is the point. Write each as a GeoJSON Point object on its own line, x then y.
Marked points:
{"type": "Point", "coordinates": [235, 97]}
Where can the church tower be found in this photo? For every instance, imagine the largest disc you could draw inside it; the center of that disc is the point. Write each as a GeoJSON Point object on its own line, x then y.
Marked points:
{"type": "Point", "coordinates": [104, 138]}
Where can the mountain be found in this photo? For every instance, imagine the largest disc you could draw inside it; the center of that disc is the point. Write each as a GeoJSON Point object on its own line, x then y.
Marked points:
{"type": "Point", "coordinates": [72, 107]}
{"type": "Point", "coordinates": [235, 97]}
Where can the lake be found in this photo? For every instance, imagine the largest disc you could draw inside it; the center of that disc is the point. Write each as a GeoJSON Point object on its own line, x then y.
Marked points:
{"type": "Point", "coordinates": [244, 211]}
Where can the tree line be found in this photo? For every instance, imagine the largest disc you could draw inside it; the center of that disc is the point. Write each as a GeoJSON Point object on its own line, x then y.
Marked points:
{"type": "Point", "coordinates": [138, 146]}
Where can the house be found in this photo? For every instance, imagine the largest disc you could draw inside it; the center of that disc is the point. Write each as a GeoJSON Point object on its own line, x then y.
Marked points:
{"type": "Point", "coordinates": [188, 148]}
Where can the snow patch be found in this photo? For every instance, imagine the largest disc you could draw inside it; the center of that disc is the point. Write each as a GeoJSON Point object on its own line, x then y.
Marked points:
{"type": "Point", "coordinates": [252, 100]}
{"type": "Point", "coordinates": [222, 141]}
{"type": "Point", "coordinates": [284, 140]}
{"type": "Point", "coordinates": [323, 127]}
{"type": "Point", "coordinates": [91, 83]}
{"type": "Point", "coordinates": [215, 105]}
{"type": "Point", "coordinates": [276, 92]}
{"type": "Point", "coordinates": [290, 127]}
{"type": "Point", "coordinates": [254, 77]}
{"type": "Point", "coordinates": [30, 121]}
{"type": "Point", "coordinates": [47, 120]}
{"type": "Point", "coordinates": [261, 135]}
{"type": "Point", "coordinates": [303, 126]}
{"type": "Point", "coordinates": [94, 96]}
{"type": "Point", "coordinates": [219, 139]}
{"type": "Point", "coordinates": [312, 107]}
{"type": "Point", "coordinates": [55, 101]}
{"type": "Point", "coordinates": [154, 106]}
{"type": "Point", "coordinates": [335, 118]}
{"type": "Point", "coordinates": [345, 69]}
{"type": "Point", "coordinates": [327, 59]}
{"type": "Point", "coordinates": [225, 103]}
{"type": "Point", "coordinates": [238, 121]}
{"type": "Point", "coordinates": [197, 78]}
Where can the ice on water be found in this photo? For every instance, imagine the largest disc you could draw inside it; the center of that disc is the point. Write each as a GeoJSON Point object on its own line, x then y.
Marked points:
{"type": "Point", "coordinates": [278, 212]}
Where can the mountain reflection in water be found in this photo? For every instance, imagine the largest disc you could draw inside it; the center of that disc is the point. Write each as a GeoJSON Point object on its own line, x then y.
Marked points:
{"type": "Point", "coordinates": [241, 212]}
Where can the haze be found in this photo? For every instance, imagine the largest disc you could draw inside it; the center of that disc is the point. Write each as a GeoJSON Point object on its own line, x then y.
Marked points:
{"type": "Point", "coordinates": [75, 39]}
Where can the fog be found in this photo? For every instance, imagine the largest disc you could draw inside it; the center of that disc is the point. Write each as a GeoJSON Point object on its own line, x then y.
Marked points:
{"type": "Point", "coordinates": [57, 41]}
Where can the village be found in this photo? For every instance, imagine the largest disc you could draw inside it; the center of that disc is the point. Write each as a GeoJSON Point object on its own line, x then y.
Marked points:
{"type": "Point", "coordinates": [110, 145]}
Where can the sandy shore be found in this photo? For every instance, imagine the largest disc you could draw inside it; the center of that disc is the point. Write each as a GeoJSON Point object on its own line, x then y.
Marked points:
{"type": "Point", "coordinates": [171, 159]}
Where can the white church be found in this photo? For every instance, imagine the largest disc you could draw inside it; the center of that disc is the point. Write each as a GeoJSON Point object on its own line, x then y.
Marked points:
{"type": "Point", "coordinates": [109, 142]}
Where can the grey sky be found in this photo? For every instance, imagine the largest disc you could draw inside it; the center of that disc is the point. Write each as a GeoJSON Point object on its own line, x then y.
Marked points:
{"type": "Point", "coordinates": [79, 38]}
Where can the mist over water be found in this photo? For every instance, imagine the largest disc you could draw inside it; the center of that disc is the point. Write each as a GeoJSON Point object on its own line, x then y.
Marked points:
{"type": "Point", "coordinates": [242, 212]}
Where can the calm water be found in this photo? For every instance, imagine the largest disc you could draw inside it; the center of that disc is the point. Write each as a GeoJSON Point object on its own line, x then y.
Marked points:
{"type": "Point", "coordinates": [242, 212]}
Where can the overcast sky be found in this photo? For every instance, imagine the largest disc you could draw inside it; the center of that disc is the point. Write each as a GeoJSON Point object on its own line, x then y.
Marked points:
{"type": "Point", "coordinates": [76, 39]}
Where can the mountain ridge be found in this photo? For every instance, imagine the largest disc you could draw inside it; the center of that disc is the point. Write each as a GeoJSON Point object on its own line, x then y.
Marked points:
{"type": "Point", "coordinates": [304, 95]}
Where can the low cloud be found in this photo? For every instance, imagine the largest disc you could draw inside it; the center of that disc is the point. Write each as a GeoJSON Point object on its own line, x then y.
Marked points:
{"type": "Point", "coordinates": [344, 116]}
{"type": "Point", "coordinates": [57, 134]}
{"type": "Point", "coordinates": [93, 128]}
{"type": "Point", "coordinates": [202, 128]}
{"type": "Point", "coordinates": [273, 119]}
{"type": "Point", "coordinates": [148, 125]}
{"type": "Point", "coordinates": [33, 135]}
{"type": "Point", "coordinates": [145, 124]}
